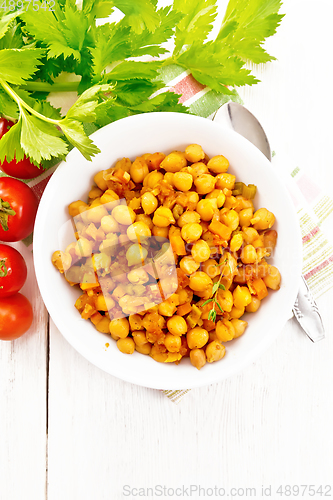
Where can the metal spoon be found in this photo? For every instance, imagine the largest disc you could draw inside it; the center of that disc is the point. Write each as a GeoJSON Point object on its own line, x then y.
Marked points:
{"type": "Point", "coordinates": [246, 124]}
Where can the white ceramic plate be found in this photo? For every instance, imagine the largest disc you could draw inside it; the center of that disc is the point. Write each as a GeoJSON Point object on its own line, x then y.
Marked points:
{"type": "Point", "coordinates": [133, 137]}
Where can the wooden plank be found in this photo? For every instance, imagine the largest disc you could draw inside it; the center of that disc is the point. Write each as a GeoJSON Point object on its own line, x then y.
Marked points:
{"type": "Point", "coordinates": [23, 391]}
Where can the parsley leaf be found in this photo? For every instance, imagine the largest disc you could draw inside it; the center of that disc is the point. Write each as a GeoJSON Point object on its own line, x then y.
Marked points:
{"type": "Point", "coordinates": [247, 24]}
{"type": "Point", "coordinates": [41, 140]}
{"type": "Point", "coordinates": [17, 65]}
{"type": "Point", "coordinates": [127, 70]}
{"type": "Point", "coordinates": [139, 15]}
{"type": "Point", "coordinates": [215, 66]}
{"type": "Point", "coordinates": [64, 36]}
{"type": "Point", "coordinates": [5, 22]}
{"type": "Point", "coordinates": [112, 43]}
{"type": "Point", "coordinates": [75, 133]}
{"type": "Point", "coordinates": [10, 146]}
{"type": "Point", "coordinates": [196, 22]}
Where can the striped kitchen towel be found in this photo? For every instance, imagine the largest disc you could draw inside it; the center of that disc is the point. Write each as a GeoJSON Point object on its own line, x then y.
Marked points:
{"type": "Point", "coordinates": [313, 207]}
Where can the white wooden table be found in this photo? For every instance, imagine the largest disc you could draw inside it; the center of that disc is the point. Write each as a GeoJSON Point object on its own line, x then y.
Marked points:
{"type": "Point", "coordinates": [71, 432]}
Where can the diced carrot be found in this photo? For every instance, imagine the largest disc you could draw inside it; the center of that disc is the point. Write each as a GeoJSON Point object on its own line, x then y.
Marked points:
{"type": "Point", "coordinates": [220, 229]}
{"type": "Point", "coordinates": [88, 286]}
{"type": "Point", "coordinates": [88, 311]}
{"type": "Point", "coordinates": [96, 318]}
{"type": "Point", "coordinates": [259, 287]}
{"type": "Point", "coordinates": [209, 325]}
{"type": "Point", "coordinates": [184, 309]}
{"type": "Point", "coordinates": [177, 242]}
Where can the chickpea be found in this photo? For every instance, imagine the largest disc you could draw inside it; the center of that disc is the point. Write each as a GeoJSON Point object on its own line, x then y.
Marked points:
{"type": "Point", "coordinates": [109, 196]}
{"type": "Point", "coordinates": [191, 232]}
{"type": "Point", "coordinates": [162, 232]}
{"type": "Point", "coordinates": [62, 260]}
{"type": "Point", "coordinates": [214, 351]}
{"type": "Point", "coordinates": [184, 295]}
{"type": "Point", "coordinates": [138, 170]}
{"type": "Point", "coordinates": [83, 247]}
{"type": "Point", "coordinates": [218, 164]}
{"type": "Point", "coordinates": [168, 177]}
{"type": "Point", "coordinates": [230, 218]}
{"type": "Point", "coordinates": [135, 322]}
{"type": "Point", "coordinates": [144, 348]}
{"type": "Point", "coordinates": [223, 333]}
{"type": "Point", "coordinates": [172, 342]}
{"type": "Point", "coordinates": [124, 215]}
{"type": "Point", "coordinates": [145, 219]}
{"type": "Point", "coordinates": [245, 217]}
{"type": "Point", "coordinates": [95, 192]}
{"type": "Point", "coordinates": [188, 217]}
{"type": "Point", "coordinates": [100, 181]}
{"type": "Point", "coordinates": [104, 303]}
{"type": "Point", "coordinates": [197, 337]}
{"type": "Point", "coordinates": [101, 261]}
{"type": "Point", "coordinates": [198, 358]}
{"type": "Point", "coordinates": [225, 181]}
{"type": "Point", "coordinates": [136, 254]}
{"type": "Point", "coordinates": [77, 207]}
{"type": "Point", "coordinates": [263, 219]}
{"type": "Point", "coordinates": [254, 305]}
{"type": "Point", "coordinates": [119, 327]}
{"type": "Point", "coordinates": [218, 195]}
{"type": "Point", "coordinates": [152, 179]}
{"type": "Point", "coordinates": [177, 325]}
{"type": "Point", "coordinates": [199, 281]}
{"type": "Point", "coordinates": [138, 231]}
{"type": "Point", "coordinates": [236, 242]}
{"type": "Point", "coordinates": [96, 213]}
{"type": "Point", "coordinates": [103, 325]}
{"type": "Point", "coordinates": [139, 337]}
{"type": "Point", "coordinates": [183, 181]}
{"type": "Point", "coordinates": [225, 299]}
{"type": "Point", "coordinates": [200, 251]}
{"type": "Point", "coordinates": [211, 268]}
{"type": "Point", "coordinates": [109, 224]}
{"type": "Point", "coordinates": [205, 183]}
{"type": "Point", "coordinates": [138, 276]}
{"type": "Point", "coordinates": [174, 162]}
{"type": "Point", "coordinates": [249, 234]}
{"type": "Point", "coordinates": [242, 296]}
{"type": "Point", "coordinates": [236, 313]}
{"type": "Point", "coordinates": [169, 306]}
{"type": "Point", "coordinates": [163, 217]}
{"type": "Point", "coordinates": [249, 255]}
{"type": "Point", "coordinates": [126, 346]}
{"type": "Point", "coordinates": [194, 153]}
{"type": "Point", "coordinates": [199, 168]}
{"type": "Point", "coordinates": [149, 202]}
{"type": "Point", "coordinates": [239, 327]}
{"type": "Point", "coordinates": [189, 265]}
{"type": "Point", "coordinates": [273, 278]}
{"type": "Point", "coordinates": [207, 208]}
{"type": "Point", "coordinates": [108, 246]}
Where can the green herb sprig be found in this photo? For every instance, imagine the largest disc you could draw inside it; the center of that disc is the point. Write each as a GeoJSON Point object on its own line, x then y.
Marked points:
{"type": "Point", "coordinates": [212, 313]}
{"type": "Point", "coordinates": [38, 45]}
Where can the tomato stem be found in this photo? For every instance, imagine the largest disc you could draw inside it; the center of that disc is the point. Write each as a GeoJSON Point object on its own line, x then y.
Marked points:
{"type": "Point", "coordinates": [3, 269]}
{"type": "Point", "coordinates": [5, 211]}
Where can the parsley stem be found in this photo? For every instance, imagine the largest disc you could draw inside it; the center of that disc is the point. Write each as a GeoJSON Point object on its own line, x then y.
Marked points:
{"type": "Point", "coordinates": [23, 104]}
{"type": "Point", "coordinates": [51, 87]}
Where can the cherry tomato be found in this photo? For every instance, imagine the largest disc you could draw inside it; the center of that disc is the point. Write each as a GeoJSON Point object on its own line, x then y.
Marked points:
{"type": "Point", "coordinates": [15, 316]}
{"type": "Point", "coordinates": [13, 271]}
{"type": "Point", "coordinates": [23, 169]}
{"type": "Point", "coordinates": [18, 207]}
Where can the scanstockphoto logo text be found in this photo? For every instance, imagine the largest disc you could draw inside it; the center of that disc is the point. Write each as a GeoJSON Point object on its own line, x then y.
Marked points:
{"type": "Point", "coordinates": [192, 490]}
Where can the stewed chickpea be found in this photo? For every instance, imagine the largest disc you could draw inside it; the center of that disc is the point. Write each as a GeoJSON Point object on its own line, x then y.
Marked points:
{"type": "Point", "coordinates": [219, 244]}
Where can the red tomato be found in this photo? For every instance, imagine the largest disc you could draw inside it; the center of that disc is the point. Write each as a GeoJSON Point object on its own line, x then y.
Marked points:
{"type": "Point", "coordinates": [15, 316]}
{"type": "Point", "coordinates": [18, 208]}
{"type": "Point", "coordinates": [22, 169]}
{"type": "Point", "coordinates": [13, 271]}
